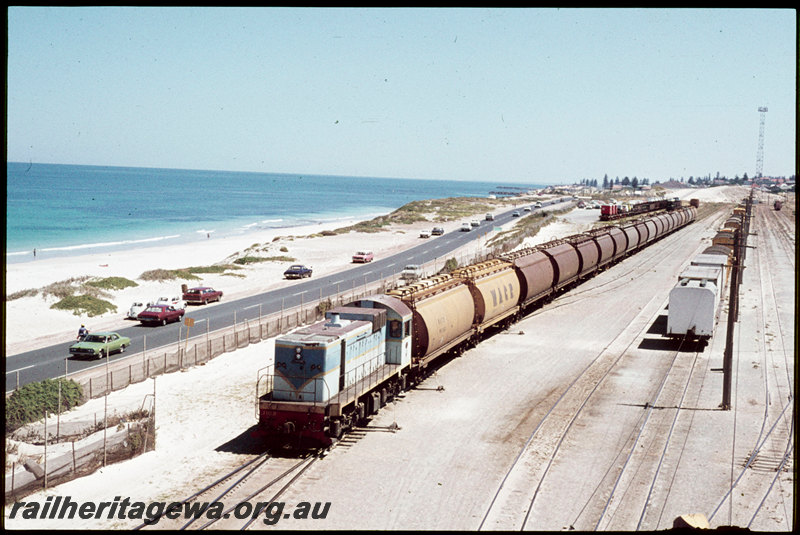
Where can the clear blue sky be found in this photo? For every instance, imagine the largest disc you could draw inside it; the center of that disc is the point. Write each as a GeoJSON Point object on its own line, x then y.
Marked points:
{"type": "Point", "coordinates": [523, 95]}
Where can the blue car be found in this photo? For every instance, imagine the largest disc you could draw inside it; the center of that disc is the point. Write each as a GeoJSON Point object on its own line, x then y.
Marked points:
{"type": "Point", "coordinates": [297, 271]}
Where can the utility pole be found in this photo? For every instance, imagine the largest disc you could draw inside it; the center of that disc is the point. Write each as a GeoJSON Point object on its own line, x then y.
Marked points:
{"type": "Point", "coordinates": [760, 154]}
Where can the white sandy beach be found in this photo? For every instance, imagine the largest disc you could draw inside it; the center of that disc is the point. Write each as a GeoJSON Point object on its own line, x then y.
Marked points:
{"type": "Point", "coordinates": [25, 317]}
{"type": "Point", "coordinates": [185, 450]}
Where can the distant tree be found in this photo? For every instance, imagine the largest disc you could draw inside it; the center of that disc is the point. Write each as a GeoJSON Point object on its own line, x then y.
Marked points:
{"type": "Point", "coordinates": [626, 181]}
{"type": "Point", "coordinates": [594, 183]}
{"type": "Point", "coordinates": [605, 182]}
{"type": "Point", "coordinates": [691, 180]}
{"type": "Point", "coordinates": [616, 181]}
{"type": "Point", "coordinates": [635, 182]}
{"type": "Point", "coordinates": [744, 177]}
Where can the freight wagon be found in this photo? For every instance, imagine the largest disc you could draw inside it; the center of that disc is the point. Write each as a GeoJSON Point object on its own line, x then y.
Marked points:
{"type": "Point", "coordinates": [335, 374]}
{"type": "Point", "coordinates": [695, 300]}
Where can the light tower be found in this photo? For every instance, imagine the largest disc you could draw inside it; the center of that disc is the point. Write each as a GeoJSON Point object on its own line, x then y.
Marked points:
{"type": "Point", "coordinates": [760, 154]}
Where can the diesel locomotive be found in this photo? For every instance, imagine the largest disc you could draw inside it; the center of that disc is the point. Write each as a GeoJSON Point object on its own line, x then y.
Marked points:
{"type": "Point", "coordinates": [331, 376]}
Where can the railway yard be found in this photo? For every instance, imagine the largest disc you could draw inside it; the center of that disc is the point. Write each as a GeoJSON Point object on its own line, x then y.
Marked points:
{"type": "Point", "coordinates": [582, 415]}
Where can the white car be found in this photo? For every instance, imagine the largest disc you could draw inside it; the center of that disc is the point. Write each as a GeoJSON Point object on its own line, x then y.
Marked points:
{"type": "Point", "coordinates": [173, 301]}
{"type": "Point", "coordinates": [411, 272]}
{"type": "Point", "coordinates": [137, 307]}
{"type": "Point", "coordinates": [466, 227]}
{"type": "Point", "coordinates": [424, 233]}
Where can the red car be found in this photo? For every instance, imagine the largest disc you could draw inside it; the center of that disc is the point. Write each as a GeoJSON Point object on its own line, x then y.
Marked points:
{"type": "Point", "coordinates": [201, 295]}
{"type": "Point", "coordinates": [162, 314]}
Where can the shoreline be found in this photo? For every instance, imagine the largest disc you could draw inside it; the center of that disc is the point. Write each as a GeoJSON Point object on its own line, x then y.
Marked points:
{"type": "Point", "coordinates": [223, 230]}
{"type": "Point", "coordinates": [30, 323]}
{"type": "Point", "coordinates": [25, 316]}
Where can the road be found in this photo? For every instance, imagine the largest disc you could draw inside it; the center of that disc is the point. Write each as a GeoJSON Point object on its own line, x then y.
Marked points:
{"type": "Point", "coordinates": [55, 361]}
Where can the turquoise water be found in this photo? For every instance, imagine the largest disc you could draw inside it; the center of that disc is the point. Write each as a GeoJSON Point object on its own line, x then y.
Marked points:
{"type": "Point", "coordinates": [76, 209]}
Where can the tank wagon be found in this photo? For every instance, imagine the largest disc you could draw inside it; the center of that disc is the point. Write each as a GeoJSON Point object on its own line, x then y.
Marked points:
{"type": "Point", "coordinates": [333, 375]}
{"type": "Point", "coordinates": [777, 205]}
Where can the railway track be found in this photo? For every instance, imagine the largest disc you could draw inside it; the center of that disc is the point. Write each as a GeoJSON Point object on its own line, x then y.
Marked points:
{"type": "Point", "coordinates": [763, 471]}
{"type": "Point", "coordinates": [514, 504]}
{"type": "Point", "coordinates": [634, 490]}
{"type": "Point", "coordinates": [240, 498]}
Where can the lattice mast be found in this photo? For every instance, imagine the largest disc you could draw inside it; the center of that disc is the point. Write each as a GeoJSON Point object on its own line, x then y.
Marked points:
{"type": "Point", "coordinates": [760, 154]}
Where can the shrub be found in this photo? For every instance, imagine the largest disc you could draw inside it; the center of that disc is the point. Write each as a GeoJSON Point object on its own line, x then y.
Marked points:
{"type": "Point", "coordinates": [84, 304]}
{"type": "Point", "coordinates": [31, 292]}
{"type": "Point", "coordinates": [28, 404]}
{"type": "Point", "coordinates": [255, 259]}
{"type": "Point", "coordinates": [112, 283]}
{"type": "Point", "coordinates": [167, 274]}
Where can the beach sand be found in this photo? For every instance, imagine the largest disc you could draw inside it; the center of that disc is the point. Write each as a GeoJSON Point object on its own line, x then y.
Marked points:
{"type": "Point", "coordinates": [25, 317]}
{"type": "Point", "coordinates": [188, 453]}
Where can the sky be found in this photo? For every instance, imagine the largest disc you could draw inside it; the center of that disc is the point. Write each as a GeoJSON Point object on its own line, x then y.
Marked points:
{"type": "Point", "coordinates": [537, 96]}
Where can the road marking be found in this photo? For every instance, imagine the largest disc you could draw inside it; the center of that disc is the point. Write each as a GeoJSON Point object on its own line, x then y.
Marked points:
{"type": "Point", "coordinates": [251, 306]}
{"type": "Point", "coordinates": [19, 370]}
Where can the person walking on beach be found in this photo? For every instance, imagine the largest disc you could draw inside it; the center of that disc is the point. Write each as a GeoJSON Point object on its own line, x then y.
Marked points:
{"type": "Point", "coordinates": [82, 332]}
{"type": "Point", "coordinates": [34, 253]}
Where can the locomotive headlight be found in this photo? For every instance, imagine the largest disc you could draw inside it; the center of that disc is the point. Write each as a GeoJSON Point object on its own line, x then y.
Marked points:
{"type": "Point", "coordinates": [297, 353]}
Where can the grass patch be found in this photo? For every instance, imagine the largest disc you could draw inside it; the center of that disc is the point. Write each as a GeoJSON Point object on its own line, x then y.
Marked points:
{"type": "Point", "coordinates": [434, 210]}
{"type": "Point", "coordinates": [219, 269]}
{"type": "Point", "coordinates": [528, 226]}
{"type": "Point", "coordinates": [160, 275]}
{"type": "Point", "coordinates": [31, 292]}
{"type": "Point", "coordinates": [256, 259]}
{"type": "Point", "coordinates": [112, 283]}
{"type": "Point", "coordinates": [84, 304]}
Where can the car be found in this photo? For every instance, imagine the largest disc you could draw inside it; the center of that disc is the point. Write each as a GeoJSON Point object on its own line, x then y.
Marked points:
{"type": "Point", "coordinates": [98, 345]}
{"type": "Point", "coordinates": [363, 256]}
{"type": "Point", "coordinates": [411, 272]}
{"type": "Point", "coordinates": [136, 307]}
{"type": "Point", "coordinates": [475, 223]}
{"type": "Point", "coordinates": [515, 213]}
{"type": "Point", "coordinates": [466, 227]}
{"type": "Point", "coordinates": [424, 233]}
{"type": "Point", "coordinates": [174, 300]}
{"type": "Point", "coordinates": [537, 205]}
{"type": "Point", "coordinates": [526, 209]}
{"type": "Point", "coordinates": [297, 271]}
{"type": "Point", "coordinates": [489, 217]}
{"type": "Point", "coordinates": [581, 204]}
{"type": "Point", "coordinates": [437, 231]}
{"type": "Point", "coordinates": [201, 295]}
{"type": "Point", "coordinates": [163, 314]}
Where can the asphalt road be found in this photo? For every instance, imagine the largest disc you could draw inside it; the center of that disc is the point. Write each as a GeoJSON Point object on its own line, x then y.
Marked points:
{"type": "Point", "coordinates": [55, 360]}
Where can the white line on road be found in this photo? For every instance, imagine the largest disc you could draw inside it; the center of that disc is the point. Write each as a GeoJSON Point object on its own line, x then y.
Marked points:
{"type": "Point", "coordinates": [20, 369]}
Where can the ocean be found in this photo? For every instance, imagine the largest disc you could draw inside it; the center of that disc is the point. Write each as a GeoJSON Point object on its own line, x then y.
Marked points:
{"type": "Point", "coordinates": [64, 210]}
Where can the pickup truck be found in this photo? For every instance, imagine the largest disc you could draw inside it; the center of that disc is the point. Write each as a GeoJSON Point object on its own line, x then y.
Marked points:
{"type": "Point", "coordinates": [363, 256]}
{"type": "Point", "coordinates": [201, 295]}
